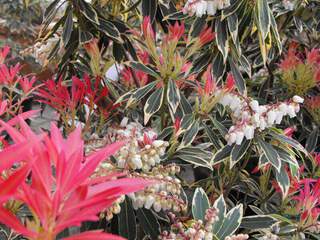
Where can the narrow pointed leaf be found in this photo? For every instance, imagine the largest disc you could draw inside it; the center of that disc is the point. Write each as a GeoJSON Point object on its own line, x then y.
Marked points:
{"type": "Point", "coordinates": [173, 95]}
{"type": "Point", "coordinates": [153, 104]}
{"type": "Point", "coordinates": [200, 204]}
{"type": "Point", "coordinates": [270, 153]}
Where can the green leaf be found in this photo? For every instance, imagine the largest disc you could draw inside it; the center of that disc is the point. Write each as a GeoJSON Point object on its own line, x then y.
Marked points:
{"type": "Point", "coordinates": [84, 36]}
{"type": "Point", "coordinates": [110, 30]}
{"type": "Point", "coordinates": [186, 122]}
{"type": "Point", "coordinates": [240, 83]}
{"type": "Point", "coordinates": [282, 218]}
{"type": "Point", "coordinates": [149, 223]}
{"type": "Point", "coordinates": [88, 11]}
{"type": "Point", "coordinates": [54, 50]}
{"type": "Point", "coordinates": [283, 181]}
{"type": "Point", "coordinates": [212, 136]}
{"type": "Point", "coordinates": [141, 92]}
{"type": "Point", "coordinates": [185, 105]}
{"type": "Point", "coordinates": [143, 68]}
{"type": "Point", "coordinates": [263, 161]}
{"type": "Point", "coordinates": [201, 62]}
{"type": "Point", "coordinates": [274, 29]}
{"type": "Point", "coordinates": [312, 140]}
{"type": "Point", "coordinates": [218, 66]}
{"type": "Point", "coordinates": [127, 221]}
{"type": "Point", "coordinates": [218, 125]}
{"type": "Point", "coordinates": [288, 140]}
{"type": "Point", "coordinates": [245, 64]}
{"type": "Point", "coordinates": [190, 134]}
{"type": "Point", "coordinates": [219, 204]}
{"type": "Point", "coordinates": [149, 8]}
{"type": "Point", "coordinates": [258, 222]}
{"type": "Point", "coordinates": [235, 5]}
{"type": "Point", "coordinates": [194, 155]}
{"type": "Point", "coordinates": [124, 97]}
{"type": "Point", "coordinates": [175, 16]}
{"type": "Point", "coordinates": [222, 154]}
{"type": "Point", "coordinates": [51, 8]}
{"type": "Point", "coordinates": [263, 17]}
{"type": "Point", "coordinates": [233, 27]}
{"type": "Point", "coordinates": [315, 235]}
{"type": "Point", "coordinates": [222, 38]}
{"type": "Point", "coordinates": [231, 222]}
{"type": "Point", "coordinates": [165, 133]}
{"type": "Point", "coordinates": [238, 151]}
{"type": "Point", "coordinates": [68, 27]}
{"type": "Point", "coordinates": [200, 204]}
{"type": "Point", "coordinates": [153, 104]}
{"type": "Point", "coordinates": [287, 157]}
{"type": "Point", "coordinates": [270, 153]}
{"type": "Point", "coordinates": [198, 24]}
{"type": "Point", "coordinates": [173, 95]}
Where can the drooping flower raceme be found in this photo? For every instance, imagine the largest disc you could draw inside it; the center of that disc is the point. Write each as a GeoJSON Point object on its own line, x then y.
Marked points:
{"type": "Point", "coordinates": [141, 157]}
{"type": "Point", "coordinates": [62, 192]}
{"type": "Point", "coordinates": [197, 230]}
{"type": "Point", "coordinates": [202, 7]}
{"type": "Point", "coordinates": [143, 150]}
{"type": "Point", "coordinates": [165, 194]}
{"type": "Point", "coordinates": [249, 116]}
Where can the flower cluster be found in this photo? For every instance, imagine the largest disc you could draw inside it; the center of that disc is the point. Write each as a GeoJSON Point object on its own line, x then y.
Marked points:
{"type": "Point", "coordinates": [164, 194]}
{"type": "Point", "coordinates": [269, 236]}
{"type": "Point", "coordinates": [114, 209]}
{"type": "Point", "coordinates": [238, 237]}
{"type": "Point", "coordinates": [202, 7]}
{"type": "Point", "coordinates": [143, 150]}
{"type": "Point", "coordinates": [249, 116]}
{"type": "Point", "coordinates": [197, 230]}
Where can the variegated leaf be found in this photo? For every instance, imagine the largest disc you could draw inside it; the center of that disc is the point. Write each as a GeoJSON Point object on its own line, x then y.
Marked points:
{"type": "Point", "coordinates": [173, 95]}
{"type": "Point", "coordinates": [153, 104]}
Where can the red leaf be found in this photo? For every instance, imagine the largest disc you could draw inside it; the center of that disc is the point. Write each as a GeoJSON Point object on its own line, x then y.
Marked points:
{"type": "Point", "coordinates": [10, 185]}
{"type": "Point", "coordinates": [11, 221]}
{"type": "Point", "coordinates": [14, 154]}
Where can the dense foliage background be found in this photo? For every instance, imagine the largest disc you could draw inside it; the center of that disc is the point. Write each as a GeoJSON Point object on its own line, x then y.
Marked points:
{"type": "Point", "coordinates": [215, 106]}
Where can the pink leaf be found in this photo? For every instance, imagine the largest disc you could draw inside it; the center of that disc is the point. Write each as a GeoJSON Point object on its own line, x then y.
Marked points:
{"type": "Point", "coordinates": [11, 221]}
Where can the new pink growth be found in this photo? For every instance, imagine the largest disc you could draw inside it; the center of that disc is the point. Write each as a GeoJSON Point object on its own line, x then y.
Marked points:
{"type": "Point", "coordinates": [206, 36]}
{"type": "Point", "coordinates": [147, 28]}
{"type": "Point", "coordinates": [176, 31]}
{"type": "Point", "coordinates": [4, 53]}
{"type": "Point", "coordinates": [230, 83]}
{"type": "Point", "coordinates": [308, 200]}
{"type": "Point", "coordinates": [291, 60]}
{"type": "Point", "coordinates": [66, 196]}
{"type": "Point", "coordinates": [210, 84]}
